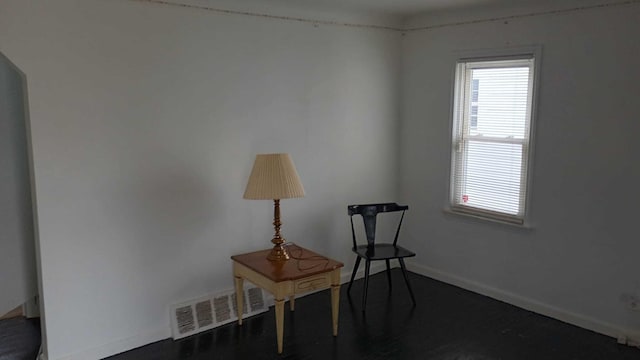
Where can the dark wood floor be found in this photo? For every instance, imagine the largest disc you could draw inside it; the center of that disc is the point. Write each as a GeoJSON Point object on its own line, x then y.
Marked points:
{"type": "Point", "coordinates": [19, 338]}
{"type": "Point", "coordinates": [449, 323]}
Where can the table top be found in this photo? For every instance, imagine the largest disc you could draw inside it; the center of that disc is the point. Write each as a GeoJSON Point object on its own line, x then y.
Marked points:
{"type": "Point", "coordinates": [302, 263]}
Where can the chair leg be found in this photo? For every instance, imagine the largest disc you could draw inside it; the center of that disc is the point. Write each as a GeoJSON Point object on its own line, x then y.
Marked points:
{"type": "Point", "coordinates": [388, 273]}
{"type": "Point", "coordinates": [406, 279]}
{"type": "Point", "coordinates": [353, 274]}
{"type": "Point", "coordinates": [367, 266]}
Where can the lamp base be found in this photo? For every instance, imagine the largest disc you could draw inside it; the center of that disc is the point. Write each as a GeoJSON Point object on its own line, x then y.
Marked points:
{"type": "Point", "coordinates": [279, 252]}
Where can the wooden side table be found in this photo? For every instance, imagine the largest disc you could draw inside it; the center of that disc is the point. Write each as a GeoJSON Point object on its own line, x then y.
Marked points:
{"type": "Point", "coordinates": [305, 271]}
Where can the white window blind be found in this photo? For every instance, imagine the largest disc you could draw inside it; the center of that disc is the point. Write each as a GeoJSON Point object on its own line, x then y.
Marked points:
{"type": "Point", "coordinates": [492, 121]}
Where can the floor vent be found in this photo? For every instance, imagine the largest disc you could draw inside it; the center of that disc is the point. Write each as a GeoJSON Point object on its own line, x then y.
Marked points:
{"type": "Point", "coordinates": [207, 312]}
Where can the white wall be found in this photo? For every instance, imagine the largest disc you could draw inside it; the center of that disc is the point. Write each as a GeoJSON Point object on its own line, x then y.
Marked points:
{"type": "Point", "coordinates": [17, 248]}
{"type": "Point", "coordinates": [145, 121]}
{"type": "Point", "coordinates": [582, 251]}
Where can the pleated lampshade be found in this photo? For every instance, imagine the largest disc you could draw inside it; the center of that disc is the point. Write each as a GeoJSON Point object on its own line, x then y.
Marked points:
{"type": "Point", "coordinates": [273, 177]}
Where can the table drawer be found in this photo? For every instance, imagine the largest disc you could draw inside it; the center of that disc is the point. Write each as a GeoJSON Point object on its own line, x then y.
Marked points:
{"type": "Point", "coordinates": [321, 281]}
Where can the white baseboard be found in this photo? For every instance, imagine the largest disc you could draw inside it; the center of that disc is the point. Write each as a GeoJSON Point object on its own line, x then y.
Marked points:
{"type": "Point", "coordinates": [118, 346]}
{"type": "Point", "coordinates": [582, 321]}
{"type": "Point", "coordinates": [127, 344]}
{"type": "Point", "coordinates": [629, 336]}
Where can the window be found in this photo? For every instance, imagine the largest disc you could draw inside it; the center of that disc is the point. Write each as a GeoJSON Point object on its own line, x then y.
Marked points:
{"type": "Point", "coordinates": [491, 133]}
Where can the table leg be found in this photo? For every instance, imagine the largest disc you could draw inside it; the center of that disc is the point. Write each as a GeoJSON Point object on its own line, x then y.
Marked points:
{"type": "Point", "coordinates": [292, 302]}
{"type": "Point", "coordinates": [279, 323]}
{"type": "Point", "coordinates": [335, 299]}
{"type": "Point", "coordinates": [239, 297]}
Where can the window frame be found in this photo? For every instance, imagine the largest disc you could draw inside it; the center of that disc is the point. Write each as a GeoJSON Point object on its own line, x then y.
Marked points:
{"type": "Point", "coordinates": [456, 121]}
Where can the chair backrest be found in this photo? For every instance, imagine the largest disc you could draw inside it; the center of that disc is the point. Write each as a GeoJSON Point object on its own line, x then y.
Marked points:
{"type": "Point", "coordinates": [369, 213]}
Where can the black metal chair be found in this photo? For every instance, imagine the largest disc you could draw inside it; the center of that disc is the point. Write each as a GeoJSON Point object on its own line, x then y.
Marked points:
{"type": "Point", "coordinates": [381, 251]}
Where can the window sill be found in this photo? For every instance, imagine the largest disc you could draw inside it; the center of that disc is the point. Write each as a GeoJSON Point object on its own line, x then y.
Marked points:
{"type": "Point", "coordinates": [480, 218]}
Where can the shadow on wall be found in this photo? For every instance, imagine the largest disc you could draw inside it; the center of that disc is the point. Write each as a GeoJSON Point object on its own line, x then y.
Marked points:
{"type": "Point", "coordinates": [166, 213]}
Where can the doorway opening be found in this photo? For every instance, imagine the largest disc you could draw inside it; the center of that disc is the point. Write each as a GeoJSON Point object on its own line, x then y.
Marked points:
{"type": "Point", "coordinates": [21, 320]}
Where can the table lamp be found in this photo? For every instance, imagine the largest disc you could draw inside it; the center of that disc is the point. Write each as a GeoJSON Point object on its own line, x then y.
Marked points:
{"type": "Point", "coordinates": [274, 177]}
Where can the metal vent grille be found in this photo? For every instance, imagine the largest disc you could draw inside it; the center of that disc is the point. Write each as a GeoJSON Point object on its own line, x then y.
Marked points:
{"type": "Point", "coordinates": [203, 313]}
{"type": "Point", "coordinates": [185, 319]}
{"type": "Point", "coordinates": [197, 315]}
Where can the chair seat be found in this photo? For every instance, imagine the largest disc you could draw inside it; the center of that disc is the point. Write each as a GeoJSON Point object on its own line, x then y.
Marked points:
{"type": "Point", "coordinates": [382, 252]}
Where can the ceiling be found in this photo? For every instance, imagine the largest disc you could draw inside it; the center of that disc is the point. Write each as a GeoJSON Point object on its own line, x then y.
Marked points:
{"type": "Point", "coordinates": [402, 7]}
{"type": "Point", "coordinates": [394, 12]}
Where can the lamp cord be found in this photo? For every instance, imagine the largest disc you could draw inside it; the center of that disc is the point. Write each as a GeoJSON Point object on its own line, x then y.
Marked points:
{"type": "Point", "coordinates": [296, 253]}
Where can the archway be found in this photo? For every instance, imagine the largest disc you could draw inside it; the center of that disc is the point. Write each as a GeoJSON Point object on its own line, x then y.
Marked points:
{"type": "Point", "coordinates": [20, 312]}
